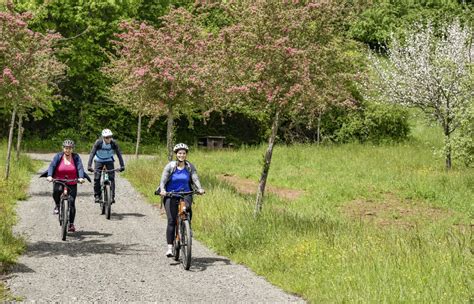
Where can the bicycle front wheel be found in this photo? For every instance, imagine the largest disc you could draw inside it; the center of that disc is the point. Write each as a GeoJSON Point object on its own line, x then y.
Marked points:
{"type": "Point", "coordinates": [64, 214]}
{"type": "Point", "coordinates": [186, 244]}
{"type": "Point", "coordinates": [177, 241]}
{"type": "Point", "coordinates": [107, 201]}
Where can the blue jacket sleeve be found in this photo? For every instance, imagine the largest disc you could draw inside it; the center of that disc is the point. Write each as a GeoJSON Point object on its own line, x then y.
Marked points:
{"type": "Point", "coordinates": [54, 164]}
{"type": "Point", "coordinates": [79, 166]}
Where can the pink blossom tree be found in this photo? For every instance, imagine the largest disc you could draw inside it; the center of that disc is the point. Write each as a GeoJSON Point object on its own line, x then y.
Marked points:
{"type": "Point", "coordinates": [28, 69]}
{"type": "Point", "coordinates": [277, 57]}
{"type": "Point", "coordinates": [165, 67]}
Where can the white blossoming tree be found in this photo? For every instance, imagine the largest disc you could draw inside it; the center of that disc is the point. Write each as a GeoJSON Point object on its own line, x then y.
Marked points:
{"type": "Point", "coordinates": [431, 70]}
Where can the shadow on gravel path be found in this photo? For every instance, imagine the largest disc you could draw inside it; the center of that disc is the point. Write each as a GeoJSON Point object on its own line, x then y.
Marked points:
{"type": "Point", "coordinates": [82, 248]}
{"type": "Point", "coordinates": [121, 216]}
{"type": "Point", "coordinates": [201, 264]}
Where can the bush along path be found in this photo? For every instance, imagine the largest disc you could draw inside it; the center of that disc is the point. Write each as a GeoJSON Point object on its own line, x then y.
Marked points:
{"type": "Point", "coordinates": [121, 259]}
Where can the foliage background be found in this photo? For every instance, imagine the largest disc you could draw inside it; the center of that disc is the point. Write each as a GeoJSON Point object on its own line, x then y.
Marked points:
{"type": "Point", "coordinates": [89, 25]}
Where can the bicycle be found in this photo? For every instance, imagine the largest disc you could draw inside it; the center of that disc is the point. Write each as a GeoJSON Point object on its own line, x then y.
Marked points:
{"type": "Point", "coordinates": [64, 209]}
{"type": "Point", "coordinates": [182, 243]}
{"type": "Point", "coordinates": [106, 191]}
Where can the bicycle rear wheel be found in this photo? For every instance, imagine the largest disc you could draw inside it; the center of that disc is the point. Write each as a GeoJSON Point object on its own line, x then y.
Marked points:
{"type": "Point", "coordinates": [64, 212]}
{"type": "Point", "coordinates": [186, 244]}
{"type": "Point", "coordinates": [108, 202]}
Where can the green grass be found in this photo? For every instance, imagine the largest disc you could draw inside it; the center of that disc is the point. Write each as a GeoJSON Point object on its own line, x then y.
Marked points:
{"type": "Point", "coordinates": [10, 191]}
{"type": "Point", "coordinates": [311, 248]}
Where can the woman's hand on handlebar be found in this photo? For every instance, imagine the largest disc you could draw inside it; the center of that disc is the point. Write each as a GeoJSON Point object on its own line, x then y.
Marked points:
{"type": "Point", "coordinates": [160, 192]}
{"type": "Point", "coordinates": [49, 178]}
{"type": "Point", "coordinates": [201, 191]}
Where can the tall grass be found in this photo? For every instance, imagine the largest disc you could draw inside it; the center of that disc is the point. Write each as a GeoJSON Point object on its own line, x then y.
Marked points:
{"type": "Point", "coordinates": [10, 191]}
{"type": "Point", "coordinates": [310, 247]}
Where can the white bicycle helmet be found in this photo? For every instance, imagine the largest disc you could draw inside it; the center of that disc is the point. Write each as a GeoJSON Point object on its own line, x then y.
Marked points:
{"type": "Point", "coordinates": [180, 146]}
{"type": "Point", "coordinates": [68, 143]}
{"type": "Point", "coordinates": [106, 133]}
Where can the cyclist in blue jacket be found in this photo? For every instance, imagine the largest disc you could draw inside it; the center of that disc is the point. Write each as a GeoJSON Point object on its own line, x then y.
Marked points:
{"type": "Point", "coordinates": [102, 154]}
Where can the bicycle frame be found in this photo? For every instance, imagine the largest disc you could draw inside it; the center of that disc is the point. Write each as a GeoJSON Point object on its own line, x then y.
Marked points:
{"type": "Point", "coordinates": [104, 179]}
{"type": "Point", "coordinates": [105, 183]}
{"type": "Point", "coordinates": [183, 238]}
{"type": "Point", "coordinates": [104, 175]}
{"type": "Point", "coordinates": [64, 209]}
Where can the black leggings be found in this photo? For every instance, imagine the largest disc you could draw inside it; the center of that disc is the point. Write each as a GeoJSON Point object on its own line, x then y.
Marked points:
{"type": "Point", "coordinates": [58, 190]}
{"type": "Point", "coordinates": [171, 206]}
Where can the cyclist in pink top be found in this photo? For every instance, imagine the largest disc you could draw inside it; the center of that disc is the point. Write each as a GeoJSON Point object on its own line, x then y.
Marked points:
{"type": "Point", "coordinates": [66, 165]}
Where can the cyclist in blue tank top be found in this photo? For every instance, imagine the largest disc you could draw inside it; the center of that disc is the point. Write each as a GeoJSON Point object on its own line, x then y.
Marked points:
{"type": "Point", "coordinates": [178, 176]}
{"type": "Point", "coordinates": [102, 154]}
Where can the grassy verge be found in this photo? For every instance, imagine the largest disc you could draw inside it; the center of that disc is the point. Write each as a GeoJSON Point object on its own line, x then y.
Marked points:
{"type": "Point", "coordinates": [10, 191]}
{"type": "Point", "coordinates": [419, 252]}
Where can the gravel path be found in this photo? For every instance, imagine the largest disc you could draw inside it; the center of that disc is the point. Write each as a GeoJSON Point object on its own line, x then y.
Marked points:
{"type": "Point", "coordinates": [119, 260]}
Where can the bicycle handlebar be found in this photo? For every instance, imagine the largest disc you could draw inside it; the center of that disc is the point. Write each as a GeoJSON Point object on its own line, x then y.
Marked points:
{"type": "Point", "coordinates": [107, 170]}
{"type": "Point", "coordinates": [178, 193]}
{"type": "Point", "coordinates": [64, 181]}
{"type": "Point", "coordinates": [59, 180]}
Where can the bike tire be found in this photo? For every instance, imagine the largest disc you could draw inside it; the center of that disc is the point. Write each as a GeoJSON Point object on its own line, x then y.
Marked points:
{"type": "Point", "coordinates": [102, 208]}
{"type": "Point", "coordinates": [60, 215]}
{"type": "Point", "coordinates": [102, 201]}
{"type": "Point", "coordinates": [64, 210]}
{"type": "Point", "coordinates": [108, 202]}
{"type": "Point", "coordinates": [186, 244]}
{"type": "Point", "coordinates": [176, 243]}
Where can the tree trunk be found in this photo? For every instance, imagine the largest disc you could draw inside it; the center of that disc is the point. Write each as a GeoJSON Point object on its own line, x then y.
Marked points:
{"type": "Point", "coordinates": [139, 133]}
{"type": "Point", "coordinates": [20, 135]}
{"type": "Point", "coordinates": [447, 146]}
{"type": "Point", "coordinates": [266, 164]}
{"type": "Point", "coordinates": [169, 134]}
{"type": "Point", "coordinates": [10, 143]}
{"type": "Point", "coordinates": [318, 130]}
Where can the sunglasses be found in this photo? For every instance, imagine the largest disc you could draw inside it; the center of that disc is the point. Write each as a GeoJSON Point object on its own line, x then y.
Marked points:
{"type": "Point", "coordinates": [108, 137]}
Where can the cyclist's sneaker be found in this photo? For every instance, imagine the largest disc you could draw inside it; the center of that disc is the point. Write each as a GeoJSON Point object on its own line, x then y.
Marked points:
{"type": "Point", "coordinates": [56, 210]}
{"type": "Point", "coordinates": [71, 228]}
{"type": "Point", "coordinates": [96, 199]}
{"type": "Point", "coordinates": [169, 252]}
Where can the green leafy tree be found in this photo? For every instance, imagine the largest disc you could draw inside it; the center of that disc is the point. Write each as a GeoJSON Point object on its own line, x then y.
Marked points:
{"type": "Point", "coordinates": [379, 19]}
{"type": "Point", "coordinates": [87, 28]}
